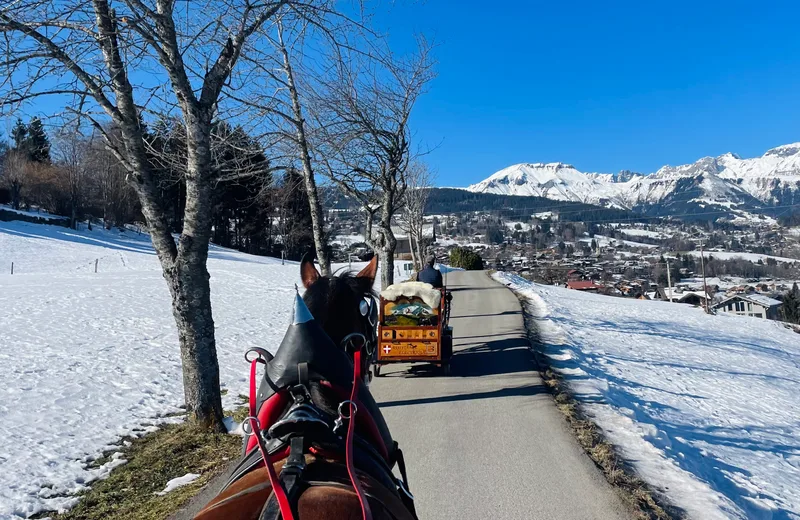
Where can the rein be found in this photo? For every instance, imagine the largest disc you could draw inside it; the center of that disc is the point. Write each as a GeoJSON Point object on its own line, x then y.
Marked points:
{"type": "Point", "coordinates": [277, 487]}
{"type": "Point", "coordinates": [366, 513]}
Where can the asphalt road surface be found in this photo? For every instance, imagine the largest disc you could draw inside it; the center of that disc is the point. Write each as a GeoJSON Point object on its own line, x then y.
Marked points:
{"type": "Point", "coordinates": [488, 442]}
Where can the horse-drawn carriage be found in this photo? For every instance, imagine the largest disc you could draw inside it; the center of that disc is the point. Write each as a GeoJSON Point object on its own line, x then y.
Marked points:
{"type": "Point", "coordinates": [413, 326]}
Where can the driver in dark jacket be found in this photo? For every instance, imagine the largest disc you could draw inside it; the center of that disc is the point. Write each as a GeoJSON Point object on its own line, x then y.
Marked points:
{"type": "Point", "coordinates": [430, 274]}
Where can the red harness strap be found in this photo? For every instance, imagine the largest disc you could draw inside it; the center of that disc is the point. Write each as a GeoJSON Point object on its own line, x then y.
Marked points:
{"type": "Point", "coordinates": [366, 513]}
{"type": "Point", "coordinates": [277, 487]}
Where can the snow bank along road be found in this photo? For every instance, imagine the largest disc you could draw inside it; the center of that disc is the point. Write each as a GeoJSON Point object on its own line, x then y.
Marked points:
{"type": "Point", "coordinates": [706, 407]}
{"type": "Point", "coordinates": [488, 441]}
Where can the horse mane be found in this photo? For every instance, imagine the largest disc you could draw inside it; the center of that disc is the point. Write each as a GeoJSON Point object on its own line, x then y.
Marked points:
{"type": "Point", "coordinates": [334, 302]}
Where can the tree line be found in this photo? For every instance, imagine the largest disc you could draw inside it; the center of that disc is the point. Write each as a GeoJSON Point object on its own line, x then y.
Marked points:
{"type": "Point", "coordinates": [77, 177]}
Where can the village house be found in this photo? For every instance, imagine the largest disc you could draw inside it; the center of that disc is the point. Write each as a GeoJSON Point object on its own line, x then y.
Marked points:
{"type": "Point", "coordinates": [755, 305]}
{"type": "Point", "coordinates": [584, 285]}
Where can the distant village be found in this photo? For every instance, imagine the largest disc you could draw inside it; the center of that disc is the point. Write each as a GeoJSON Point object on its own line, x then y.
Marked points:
{"type": "Point", "coordinates": [748, 267]}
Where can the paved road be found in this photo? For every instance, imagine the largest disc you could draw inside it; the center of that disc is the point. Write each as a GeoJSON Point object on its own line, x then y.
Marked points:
{"type": "Point", "coordinates": [488, 441]}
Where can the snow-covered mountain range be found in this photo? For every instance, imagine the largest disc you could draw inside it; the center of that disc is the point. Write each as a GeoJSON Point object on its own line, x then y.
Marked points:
{"type": "Point", "coordinates": [710, 184]}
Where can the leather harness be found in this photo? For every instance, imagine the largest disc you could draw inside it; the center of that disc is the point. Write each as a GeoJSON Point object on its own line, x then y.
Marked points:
{"type": "Point", "coordinates": [311, 427]}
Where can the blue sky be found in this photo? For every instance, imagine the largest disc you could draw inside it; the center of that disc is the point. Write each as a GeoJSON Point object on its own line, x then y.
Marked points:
{"type": "Point", "coordinates": [604, 86]}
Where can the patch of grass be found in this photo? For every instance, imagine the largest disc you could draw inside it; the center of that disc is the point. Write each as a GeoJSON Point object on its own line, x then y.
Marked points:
{"type": "Point", "coordinates": [645, 504]}
{"type": "Point", "coordinates": [154, 459]}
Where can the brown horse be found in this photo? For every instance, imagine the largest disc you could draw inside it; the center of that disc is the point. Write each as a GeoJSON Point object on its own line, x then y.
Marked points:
{"type": "Point", "coordinates": [324, 464]}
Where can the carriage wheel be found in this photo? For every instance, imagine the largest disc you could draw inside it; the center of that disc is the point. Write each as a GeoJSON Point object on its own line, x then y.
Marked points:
{"type": "Point", "coordinates": [376, 369]}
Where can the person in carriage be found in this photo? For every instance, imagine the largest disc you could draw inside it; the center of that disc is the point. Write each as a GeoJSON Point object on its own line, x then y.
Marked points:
{"type": "Point", "coordinates": [430, 274]}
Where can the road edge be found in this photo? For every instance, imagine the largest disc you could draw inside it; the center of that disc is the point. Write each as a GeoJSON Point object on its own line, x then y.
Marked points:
{"type": "Point", "coordinates": [644, 501]}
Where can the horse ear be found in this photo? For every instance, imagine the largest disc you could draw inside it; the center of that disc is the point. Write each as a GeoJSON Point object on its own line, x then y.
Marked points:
{"type": "Point", "coordinates": [308, 272]}
{"type": "Point", "coordinates": [370, 271]}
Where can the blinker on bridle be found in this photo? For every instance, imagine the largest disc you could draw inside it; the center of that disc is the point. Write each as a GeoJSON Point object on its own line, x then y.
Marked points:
{"type": "Point", "coordinates": [367, 309]}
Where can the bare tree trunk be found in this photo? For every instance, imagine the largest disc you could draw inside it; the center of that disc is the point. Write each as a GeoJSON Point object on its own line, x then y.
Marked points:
{"type": "Point", "coordinates": [388, 242]}
{"type": "Point", "coordinates": [414, 258]}
{"type": "Point", "coordinates": [317, 215]}
{"type": "Point", "coordinates": [190, 282]}
{"type": "Point", "coordinates": [387, 268]}
{"type": "Point", "coordinates": [420, 252]}
{"type": "Point", "coordinates": [16, 191]}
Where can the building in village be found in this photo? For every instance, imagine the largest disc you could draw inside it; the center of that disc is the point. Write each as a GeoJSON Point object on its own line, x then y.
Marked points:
{"type": "Point", "coordinates": [584, 285]}
{"type": "Point", "coordinates": [755, 305]}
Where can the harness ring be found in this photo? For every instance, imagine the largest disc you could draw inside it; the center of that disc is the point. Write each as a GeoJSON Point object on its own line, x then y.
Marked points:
{"type": "Point", "coordinates": [353, 406]}
{"type": "Point", "coordinates": [246, 428]}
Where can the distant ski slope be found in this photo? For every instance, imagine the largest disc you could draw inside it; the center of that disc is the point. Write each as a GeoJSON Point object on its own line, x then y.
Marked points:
{"type": "Point", "coordinates": [86, 358]}
{"type": "Point", "coordinates": [706, 407]}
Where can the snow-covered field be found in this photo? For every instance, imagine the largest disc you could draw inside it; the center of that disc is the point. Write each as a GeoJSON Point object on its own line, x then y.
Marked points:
{"type": "Point", "coordinates": [705, 407]}
{"type": "Point", "coordinates": [38, 214]}
{"type": "Point", "coordinates": [604, 241]}
{"type": "Point", "coordinates": [86, 358]}
{"type": "Point", "coordinates": [751, 257]}
{"type": "Point", "coordinates": [643, 233]}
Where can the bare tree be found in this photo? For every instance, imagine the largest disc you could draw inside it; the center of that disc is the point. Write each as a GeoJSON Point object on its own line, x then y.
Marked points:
{"type": "Point", "coordinates": [71, 176]}
{"type": "Point", "coordinates": [15, 171]}
{"type": "Point", "coordinates": [367, 149]}
{"type": "Point", "coordinates": [140, 57]}
{"type": "Point", "coordinates": [420, 180]}
{"type": "Point", "coordinates": [297, 120]}
{"type": "Point", "coordinates": [303, 49]}
{"type": "Point", "coordinates": [109, 188]}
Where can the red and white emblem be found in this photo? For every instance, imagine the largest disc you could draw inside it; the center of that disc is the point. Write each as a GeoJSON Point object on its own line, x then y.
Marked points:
{"type": "Point", "coordinates": [387, 349]}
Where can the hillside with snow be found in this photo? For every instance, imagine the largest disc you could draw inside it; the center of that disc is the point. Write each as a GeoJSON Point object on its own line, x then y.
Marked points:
{"type": "Point", "coordinates": [704, 407]}
{"type": "Point", "coordinates": [86, 358]}
{"type": "Point", "coordinates": [726, 183]}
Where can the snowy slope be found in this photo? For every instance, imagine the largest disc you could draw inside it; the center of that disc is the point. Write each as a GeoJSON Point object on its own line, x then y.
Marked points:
{"type": "Point", "coordinates": [86, 358]}
{"type": "Point", "coordinates": [555, 181]}
{"type": "Point", "coordinates": [705, 407]}
{"type": "Point", "coordinates": [773, 178]}
{"type": "Point", "coordinates": [750, 257]}
{"type": "Point", "coordinates": [726, 182]}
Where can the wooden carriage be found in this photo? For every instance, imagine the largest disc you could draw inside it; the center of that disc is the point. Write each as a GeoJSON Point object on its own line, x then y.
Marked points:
{"type": "Point", "coordinates": [414, 327]}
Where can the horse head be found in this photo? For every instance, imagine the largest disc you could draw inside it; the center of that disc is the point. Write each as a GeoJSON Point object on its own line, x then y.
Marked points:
{"type": "Point", "coordinates": [343, 304]}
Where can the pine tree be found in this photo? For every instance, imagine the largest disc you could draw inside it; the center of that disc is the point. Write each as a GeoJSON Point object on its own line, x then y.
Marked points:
{"type": "Point", "coordinates": [37, 142]}
{"type": "Point", "coordinates": [791, 305]}
{"type": "Point", "coordinates": [31, 140]}
{"type": "Point", "coordinates": [19, 134]}
{"type": "Point", "coordinates": [298, 237]}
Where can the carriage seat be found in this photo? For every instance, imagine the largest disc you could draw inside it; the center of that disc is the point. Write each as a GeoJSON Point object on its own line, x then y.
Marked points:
{"type": "Point", "coordinates": [424, 291]}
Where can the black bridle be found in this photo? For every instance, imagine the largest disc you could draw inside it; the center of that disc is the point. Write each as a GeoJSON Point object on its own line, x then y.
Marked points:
{"type": "Point", "coordinates": [368, 341]}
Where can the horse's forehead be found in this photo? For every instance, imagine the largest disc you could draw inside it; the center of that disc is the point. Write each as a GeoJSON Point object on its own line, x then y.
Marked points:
{"type": "Point", "coordinates": [327, 290]}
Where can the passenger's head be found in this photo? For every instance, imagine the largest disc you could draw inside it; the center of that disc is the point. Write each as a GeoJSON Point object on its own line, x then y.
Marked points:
{"type": "Point", "coordinates": [430, 260]}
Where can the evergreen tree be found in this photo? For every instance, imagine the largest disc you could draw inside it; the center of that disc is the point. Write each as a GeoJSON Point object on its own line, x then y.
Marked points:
{"type": "Point", "coordinates": [19, 134]}
{"type": "Point", "coordinates": [791, 305]}
{"type": "Point", "coordinates": [31, 140]}
{"type": "Point", "coordinates": [37, 142]}
{"type": "Point", "coordinates": [296, 216]}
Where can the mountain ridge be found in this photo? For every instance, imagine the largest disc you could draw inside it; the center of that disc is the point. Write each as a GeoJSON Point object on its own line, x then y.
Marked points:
{"type": "Point", "coordinates": [726, 182]}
